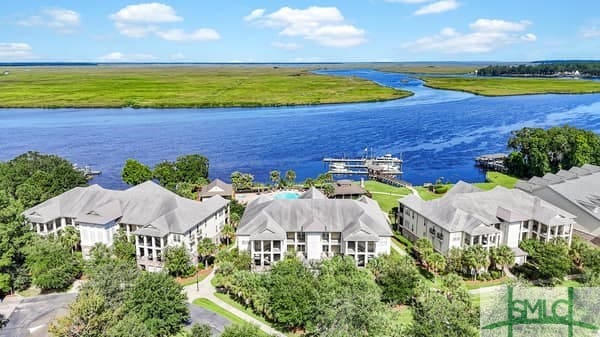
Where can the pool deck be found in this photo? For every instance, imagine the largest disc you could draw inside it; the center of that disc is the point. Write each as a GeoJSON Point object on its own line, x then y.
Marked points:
{"type": "Point", "coordinates": [245, 198]}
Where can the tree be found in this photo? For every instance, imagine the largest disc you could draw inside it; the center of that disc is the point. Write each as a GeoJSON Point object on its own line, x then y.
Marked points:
{"type": "Point", "coordinates": [192, 168]}
{"type": "Point", "coordinates": [166, 174]}
{"type": "Point", "coordinates": [129, 325]}
{"type": "Point", "coordinates": [292, 293]}
{"type": "Point", "coordinates": [290, 177]}
{"type": "Point", "coordinates": [454, 261]}
{"type": "Point", "coordinates": [275, 177]}
{"type": "Point", "coordinates": [475, 259]}
{"type": "Point", "coordinates": [177, 261]}
{"type": "Point", "coordinates": [397, 276]}
{"type": "Point", "coordinates": [112, 281]}
{"type": "Point", "coordinates": [242, 181]}
{"type": "Point", "coordinates": [242, 330]}
{"type": "Point", "coordinates": [34, 177]}
{"type": "Point", "coordinates": [424, 249]}
{"type": "Point", "coordinates": [100, 254]}
{"type": "Point", "coordinates": [200, 330]}
{"type": "Point", "coordinates": [51, 264]}
{"type": "Point", "coordinates": [87, 317]}
{"type": "Point", "coordinates": [236, 211]}
{"type": "Point", "coordinates": [159, 303]}
{"type": "Point", "coordinates": [14, 238]}
{"type": "Point", "coordinates": [552, 260]}
{"type": "Point", "coordinates": [436, 262]}
{"type": "Point", "coordinates": [206, 248]}
{"type": "Point", "coordinates": [123, 248]}
{"type": "Point", "coordinates": [70, 237]}
{"type": "Point", "coordinates": [579, 249]}
{"type": "Point", "coordinates": [135, 173]}
{"type": "Point", "coordinates": [228, 233]}
{"type": "Point", "coordinates": [309, 182]}
{"type": "Point", "coordinates": [502, 257]}
{"type": "Point", "coordinates": [328, 189]}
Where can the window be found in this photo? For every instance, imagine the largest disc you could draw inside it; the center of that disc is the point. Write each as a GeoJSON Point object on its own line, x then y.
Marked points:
{"type": "Point", "coordinates": [335, 250]}
{"type": "Point", "coordinates": [361, 246]}
{"type": "Point", "coordinates": [290, 248]}
{"type": "Point", "coordinates": [267, 246]}
{"type": "Point", "coordinates": [277, 245]}
{"type": "Point", "coordinates": [157, 242]}
{"type": "Point", "coordinates": [325, 249]}
{"type": "Point", "coordinates": [336, 236]}
{"type": "Point", "coordinates": [140, 240]}
{"type": "Point", "coordinates": [176, 238]}
{"type": "Point", "coordinates": [141, 252]}
{"type": "Point", "coordinates": [325, 236]}
{"type": "Point", "coordinates": [301, 237]}
{"type": "Point", "coordinates": [257, 245]}
{"type": "Point", "coordinates": [291, 235]}
{"type": "Point", "coordinates": [371, 247]}
{"type": "Point", "coordinates": [351, 245]}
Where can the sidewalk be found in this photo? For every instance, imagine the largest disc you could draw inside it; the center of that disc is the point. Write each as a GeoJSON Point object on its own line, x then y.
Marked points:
{"type": "Point", "coordinates": [206, 290]}
{"type": "Point", "coordinates": [8, 305]}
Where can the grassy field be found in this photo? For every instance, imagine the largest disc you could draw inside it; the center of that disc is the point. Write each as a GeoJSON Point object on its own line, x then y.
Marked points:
{"type": "Point", "coordinates": [174, 87]}
{"type": "Point", "coordinates": [386, 196]}
{"type": "Point", "coordinates": [493, 179]}
{"type": "Point", "coordinates": [433, 69]}
{"type": "Point", "coordinates": [501, 86]}
{"type": "Point", "coordinates": [212, 306]}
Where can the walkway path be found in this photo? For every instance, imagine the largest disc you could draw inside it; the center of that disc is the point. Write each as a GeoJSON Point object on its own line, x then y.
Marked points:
{"type": "Point", "coordinates": [206, 290]}
{"type": "Point", "coordinates": [397, 248]}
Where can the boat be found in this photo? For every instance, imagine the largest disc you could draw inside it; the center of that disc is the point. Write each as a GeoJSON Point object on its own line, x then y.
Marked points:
{"type": "Point", "coordinates": [338, 167]}
{"type": "Point", "coordinates": [386, 164]}
{"type": "Point", "coordinates": [87, 171]}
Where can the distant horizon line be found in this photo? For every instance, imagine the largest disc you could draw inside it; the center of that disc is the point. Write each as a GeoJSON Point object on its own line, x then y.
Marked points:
{"type": "Point", "coordinates": [85, 63]}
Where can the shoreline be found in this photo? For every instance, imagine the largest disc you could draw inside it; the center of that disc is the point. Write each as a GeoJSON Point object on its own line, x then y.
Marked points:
{"type": "Point", "coordinates": [208, 106]}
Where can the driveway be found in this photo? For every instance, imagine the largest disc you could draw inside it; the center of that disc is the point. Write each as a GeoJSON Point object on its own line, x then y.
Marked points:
{"type": "Point", "coordinates": [33, 315]}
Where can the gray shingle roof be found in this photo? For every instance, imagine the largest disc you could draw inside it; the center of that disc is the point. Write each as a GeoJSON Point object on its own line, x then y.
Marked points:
{"type": "Point", "coordinates": [467, 209]}
{"type": "Point", "coordinates": [580, 185]}
{"type": "Point", "coordinates": [271, 219]}
{"type": "Point", "coordinates": [216, 187]}
{"type": "Point", "coordinates": [147, 204]}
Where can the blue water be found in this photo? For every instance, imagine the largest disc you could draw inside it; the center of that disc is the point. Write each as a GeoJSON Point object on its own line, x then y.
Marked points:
{"type": "Point", "coordinates": [286, 196]}
{"type": "Point", "coordinates": [438, 133]}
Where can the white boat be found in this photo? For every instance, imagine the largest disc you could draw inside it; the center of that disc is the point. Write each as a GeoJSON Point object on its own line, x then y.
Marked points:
{"type": "Point", "coordinates": [386, 164]}
{"type": "Point", "coordinates": [338, 168]}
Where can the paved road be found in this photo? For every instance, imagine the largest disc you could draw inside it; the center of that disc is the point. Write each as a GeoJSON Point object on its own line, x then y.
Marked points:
{"type": "Point", "coordinates": [206, 290]}
{"type": "Point", "coordinates": [33, 315]}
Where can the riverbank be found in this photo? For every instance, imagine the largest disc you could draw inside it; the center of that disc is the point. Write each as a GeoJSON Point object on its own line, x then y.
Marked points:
{"type": "Point", "coordinates": [502, 86]}
{"type": "Point", "coordinates": [182, 87]}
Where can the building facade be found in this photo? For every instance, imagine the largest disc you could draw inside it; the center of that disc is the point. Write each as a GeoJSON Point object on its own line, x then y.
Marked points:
{"type": "Point", "coordinates": [576, 191]}
{"type": "Point", "coordinates": [155, 218]}
{"type": "Point", "coordinates": [314, 228]}
{"type": "Point", "coordinates": [468, 216]}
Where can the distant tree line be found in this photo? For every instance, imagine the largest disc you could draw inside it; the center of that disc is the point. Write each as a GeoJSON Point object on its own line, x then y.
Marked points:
{"type": "Point", "coordinates": [586, 69]}
{"type": "Point", "coordinates": [537, 151]}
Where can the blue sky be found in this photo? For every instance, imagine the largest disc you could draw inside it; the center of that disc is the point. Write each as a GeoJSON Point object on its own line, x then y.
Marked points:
{"type": "Point", "coordinates": [299, 31]}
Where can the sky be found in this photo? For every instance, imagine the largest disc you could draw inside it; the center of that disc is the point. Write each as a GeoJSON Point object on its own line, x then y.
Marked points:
{"type": "Point", "coordinates": [298, 30]}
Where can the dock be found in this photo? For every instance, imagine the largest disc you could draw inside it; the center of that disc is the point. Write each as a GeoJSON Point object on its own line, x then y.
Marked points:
{"type": "Point", "coordinates": [390, 180]}
{"type": "Point", "coordinates": [494, 162]}
{"type": "Point", "coordinates": [385, 165]}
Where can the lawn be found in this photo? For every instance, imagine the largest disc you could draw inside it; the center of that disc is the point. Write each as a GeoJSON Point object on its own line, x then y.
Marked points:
{"type": "Point", "coordinates": [482, 284]}
{"type": "Point", "coordinates": [212, 306]}
{"type": "Point", "coordinates": [202, 274]}
{"type": "Point", "coordinates": [178, 87]}
{"type": "Point", "coordinates": [386, 196]}
{"type": "Point", "coordinates": [493, 179]}
{"type": "Point", "coordinates": [502, 86]}
{"type": "Point", "coordinates": [225, 298]}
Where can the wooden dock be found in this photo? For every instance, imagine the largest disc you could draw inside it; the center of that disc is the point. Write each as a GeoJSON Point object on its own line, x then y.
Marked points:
{"type": "Point", "coordinates": [389, 180]}
{"type": "Point", "coordinates": [494, 162]}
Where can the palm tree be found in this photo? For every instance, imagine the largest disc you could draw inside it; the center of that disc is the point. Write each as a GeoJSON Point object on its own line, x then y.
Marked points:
{"type": "Point", "coordinates": [476, 258]}
{"type": "Point", "coordinates": [436, 262]}
{"type": "Point", "coordinates": [206, 248]}
{"type": "Point", "coordinates": [578, 250]}
{"type": "Point", "coordinates": [234, 219]}
{"type": "Point", "coordinates": [290, 177]}
{"type": "Point", "coordinates": [502, 257]}
{"type": "Point", "coordinates": [275, 177]}
{"type": "Point", "coordinates": [69, 237]}
{"type": "Point", "coordinates": [228, 232]}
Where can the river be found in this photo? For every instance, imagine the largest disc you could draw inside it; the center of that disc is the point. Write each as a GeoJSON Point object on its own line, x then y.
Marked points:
{"type": "Point", "coordinates": [437, 132]}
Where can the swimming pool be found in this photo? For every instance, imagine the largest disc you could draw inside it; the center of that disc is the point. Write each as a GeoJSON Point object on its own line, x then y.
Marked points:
{"type": "Point", "coordinates": [286, 196]}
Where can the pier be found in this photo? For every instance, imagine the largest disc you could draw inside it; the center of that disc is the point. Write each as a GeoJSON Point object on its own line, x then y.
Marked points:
{"type": "Point", "coordinates": [385, 165]}
{"type": "Point", "coordinates": [494, 162]}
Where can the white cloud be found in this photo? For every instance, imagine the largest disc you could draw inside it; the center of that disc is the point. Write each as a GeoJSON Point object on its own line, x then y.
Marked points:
{"type": "Point", "coordinates": [255, 14]}
{"type": "Point", "coordinates": [15, 50]}
{"type": "Point", "coordinates": [145, 19]}
{"type": "Point", "coordinates": [286, 45]}
{"type": "Point", "coordinates": [324, 25]}
{"type": "Point", "coordinates": [62, 20]}
{"type": "Point", "coordinates": [486, 35]}
{"type": "Point", "coordinates": [179, 35]}
{"type": "Point", "coordinates": [529, 37]}
{"type": "Point", "coordinates": [438, 7]}
{"type": "Point", "coordinates": [591, 32]}
{"type": "Point", "coordinates": [146, 13]}
{"type": "Point", "coordinates": [495, 25]}
{"type": "Point", "coordinates": [120, 57]}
